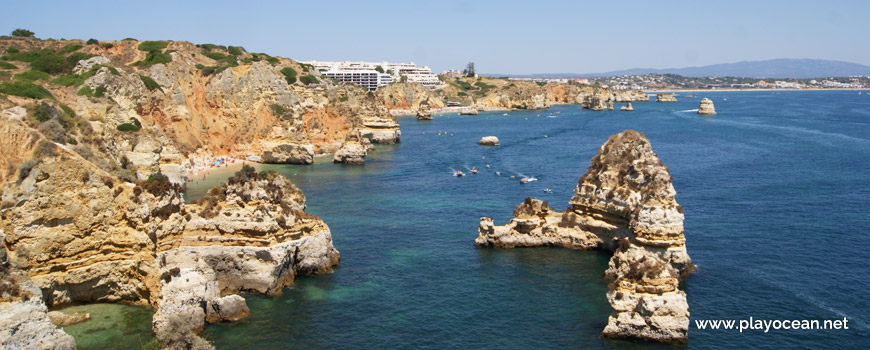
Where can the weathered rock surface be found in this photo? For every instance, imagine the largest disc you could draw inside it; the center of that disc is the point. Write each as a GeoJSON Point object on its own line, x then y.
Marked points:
{"type": "Point", "coordinates": [354, 149]}
{"type": "Point", "coordinates": [289, 154]}
{"type": "Point", "coordinates": [24, 319]}
{"type": "Point", "coordinates": [61, 319]}
{"type": "Point", "coordinates": [423, 112]}
{"type": "Point", "coordinates": [624, 203]}
{"type": "Point", "coordinates": [408, 96]}
{"type": "Point", "coordinates": [627, 108]}
{"type": "Point", "coordinates": [25, 325]}
{"type": "Point", "coordinates": [85, 235]}
{"type": "Point", "coordinates": [229, 308]}
{"type": "Point", "coordinates": [706, 107]}
{"type": "Point", "coordinates": [488, 141]}
{"type": "Point", "coordinates": [86, 65]}
{"type": "Point", "coordinates": [470, 111]}
{"type": "Point", "coordinates": [665, 97]}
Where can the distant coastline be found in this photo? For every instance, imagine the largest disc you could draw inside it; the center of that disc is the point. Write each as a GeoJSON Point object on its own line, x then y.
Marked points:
{"type": "Point", "coordinates": [736, 90]}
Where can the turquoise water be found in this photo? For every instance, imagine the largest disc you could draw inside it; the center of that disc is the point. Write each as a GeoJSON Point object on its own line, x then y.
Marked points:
{"type": "Point", "coordinates": [775, 190]}
{"type": "Point", "coordinates": [112, 326]}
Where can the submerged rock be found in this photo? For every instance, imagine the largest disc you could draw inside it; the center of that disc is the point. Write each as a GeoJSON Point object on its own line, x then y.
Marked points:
{"type": "Point", "coordinates": [624, 203]}
{"type": "Point", "coordinates": [488, 141]}
{"type": "Point", "coordinates": [706, 107]}
{"type": "Point", "coordinates": [61, 319]}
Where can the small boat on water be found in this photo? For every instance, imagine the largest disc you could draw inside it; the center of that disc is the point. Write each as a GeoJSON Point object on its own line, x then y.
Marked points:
{"type": "Point", "coordinates": [547, 190]}
{"type": "Point", "coordinates": [458, 173]}
{"type": "Point", "coordinates": [526, 180]}
{"type": "Point", "coordinates": [504, 115]}
{"type": "Point", "coordinates": [474, 170]}
{"type": "Point", "coordinates": [498, 173]}
{"type": "Point", "coordinates": [487, 165]}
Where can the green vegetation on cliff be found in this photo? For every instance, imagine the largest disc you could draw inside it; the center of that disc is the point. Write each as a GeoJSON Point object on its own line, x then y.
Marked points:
{"type": "Point", "coordinates": [149, 83]}
{"type": "Point", "coordinates": [289, 74]}
{"type": "Point", "coordinates": [25, 89]}
{"type": "Point", "coordinates": [153, 45]}
{"type": "Point", "coordinates": [154, 57]}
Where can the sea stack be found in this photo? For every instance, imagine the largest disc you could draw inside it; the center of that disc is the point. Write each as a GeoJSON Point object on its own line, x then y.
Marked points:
{"type": "Point", "coordinates": [488, 141]}
{"type": "Point", "coordinates": [354, 149]}
{"type": "Point", "coordinates": [706, 107]}
{"type": "Point", "coordinates": [423, 111]}
{"type": "Point", "coordinates": [627, 108]}
{"type": "Point", "coordinates": [625, 204]}
{"type": "Point", "coordinates": [665, 97]}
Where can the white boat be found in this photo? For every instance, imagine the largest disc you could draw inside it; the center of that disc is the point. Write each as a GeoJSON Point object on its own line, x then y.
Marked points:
{"type": "Point", "coordinates": [526, 180]}
{"type": "Point", "coordinates": [458, 173]}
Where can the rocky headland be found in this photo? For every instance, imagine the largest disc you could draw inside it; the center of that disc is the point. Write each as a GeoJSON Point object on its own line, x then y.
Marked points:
{"type": "Point", "coordinates": [486, 93]}
{"type": "Point", "coordinates": [99, 140]}
{"type": "Point", "coordinates": [625, 204]}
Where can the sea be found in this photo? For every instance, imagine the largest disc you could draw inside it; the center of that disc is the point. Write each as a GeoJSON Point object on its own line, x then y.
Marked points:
{"type": "Point", "coordinates": [775, 190]}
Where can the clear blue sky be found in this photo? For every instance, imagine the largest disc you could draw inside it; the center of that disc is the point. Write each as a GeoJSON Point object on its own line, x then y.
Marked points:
{"type": "Point", "coordinates": [516, 37]}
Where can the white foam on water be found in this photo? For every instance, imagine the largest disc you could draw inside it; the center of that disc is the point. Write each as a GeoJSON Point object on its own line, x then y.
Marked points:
{"type": "Point", "coordinates": [807, 298]}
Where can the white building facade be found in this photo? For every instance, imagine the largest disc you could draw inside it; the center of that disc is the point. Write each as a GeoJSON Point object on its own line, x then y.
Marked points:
{"type": "Point", "coordinates": [365, 72]}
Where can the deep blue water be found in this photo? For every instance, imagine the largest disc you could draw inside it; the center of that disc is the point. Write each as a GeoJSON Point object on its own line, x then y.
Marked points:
{"type": "Point", "coordinates": [775, 190]}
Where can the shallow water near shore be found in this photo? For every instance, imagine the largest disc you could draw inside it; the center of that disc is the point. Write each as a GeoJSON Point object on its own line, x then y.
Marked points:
{"type": "Point", "coordinates": [775, 190]}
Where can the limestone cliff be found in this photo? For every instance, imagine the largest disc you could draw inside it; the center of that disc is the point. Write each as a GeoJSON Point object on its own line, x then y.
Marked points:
{"type": "Point", "coordinates": [197, 103]}
{"type": "Point", "coordinates": [624, 203]}
{"type": "Point", "coordinates": [84, 235]}
{"type": "Point", "coordinates": [24, 321]}
{"type": "Point", "coordinates": [408, 96]}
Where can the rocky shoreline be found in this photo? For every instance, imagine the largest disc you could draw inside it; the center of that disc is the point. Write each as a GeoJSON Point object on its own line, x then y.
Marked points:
{"type": "Point", "coordinates": [623, 204]}
{"type": "Point", "coordinates": [104, 240]}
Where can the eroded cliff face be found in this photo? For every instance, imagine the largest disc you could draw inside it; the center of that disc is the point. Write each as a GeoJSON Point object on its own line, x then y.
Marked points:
{"type": "Point", "coordinates": [24, 321]}
{"type": "Point", "coordinates": [408, 96]}
{"type": "Point", "coordinates": [624, 203]}
{"type": "Point", "coordinates": [187, 112]}
{"type": "Point", "coordinates": [83, 235]}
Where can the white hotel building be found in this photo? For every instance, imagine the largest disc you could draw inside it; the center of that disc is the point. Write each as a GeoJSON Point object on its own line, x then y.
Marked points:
{"type": "Point", "coordinates": [364, 74]}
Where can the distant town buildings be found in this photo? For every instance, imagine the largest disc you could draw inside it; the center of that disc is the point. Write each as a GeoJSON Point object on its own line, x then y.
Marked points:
{"type": "Point", "coordinates": [373, 75]}
{"type": "Point", "coordinates": [543, 80]}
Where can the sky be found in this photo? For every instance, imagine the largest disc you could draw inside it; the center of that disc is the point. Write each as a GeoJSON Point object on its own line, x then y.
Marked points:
{"type": "Point", "coordinates": [509, 37]}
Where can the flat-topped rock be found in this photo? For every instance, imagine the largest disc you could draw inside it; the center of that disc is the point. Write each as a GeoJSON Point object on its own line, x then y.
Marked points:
{"type": "Point", "coordinates": [665, 97]}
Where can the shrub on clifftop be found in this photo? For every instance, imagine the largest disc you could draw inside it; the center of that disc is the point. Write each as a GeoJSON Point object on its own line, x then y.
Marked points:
{"type": "Point", "coordinates": [152, 45]}
{"type": "Point", "coordinates": [22, 33]}
{"type": "Point", "coordinates": [309, 79]}
{"type": "Point", "coordinates": [289, 74]}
